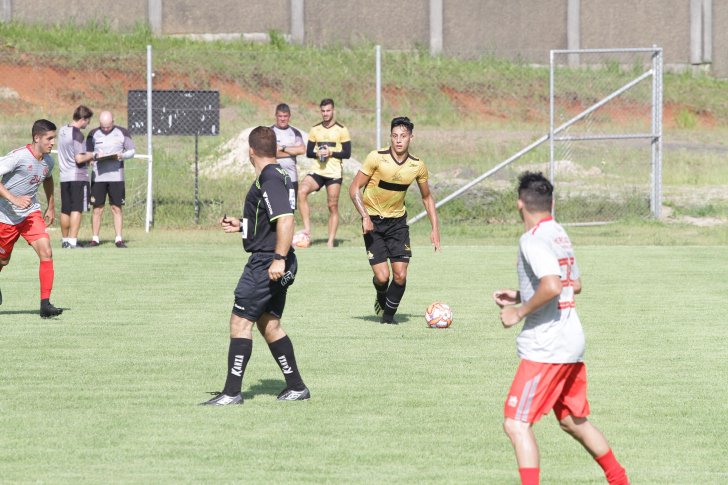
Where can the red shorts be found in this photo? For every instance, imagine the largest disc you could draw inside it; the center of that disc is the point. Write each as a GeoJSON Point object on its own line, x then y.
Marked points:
{"type": "Point", "coordinates": [32, 229]}
{"type": "Point", "coordinates": [538, 388]}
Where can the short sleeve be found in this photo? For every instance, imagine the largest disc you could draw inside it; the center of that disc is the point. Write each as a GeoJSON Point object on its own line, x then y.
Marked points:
{"type": "Point", "coordinates": [422, 174]}
{"type": "Point", "coordinates": [540, 257]}
{"type": "Point", "coordinates": [344, 135]}
{"type": "Point", "coordinates": [8, 164]}
{"type": "Point", "coordinates": [79, 146]}
{"type": "Point", "coordinates": [575, 275]}
{"type": "Point", "coordinates": [370, 164]}
{"type": "Point", "coordinates": [128, 142]}
{"type": "Point", "coordinates": [51, 162]}
{"type": "Point", "coordinates": [275, 195]}
{"type": "Point", "coordinates": [90, 141]}
{"type": "Point", "coordinates": [299, 137]}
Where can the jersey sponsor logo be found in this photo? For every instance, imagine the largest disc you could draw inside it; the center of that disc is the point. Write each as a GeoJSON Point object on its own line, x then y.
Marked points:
{"type": "Point", "coordinates": [287, 278]}
{"type": "Point", "coordinates": [2, 251]}
{"type": "Point", "coordinates": [244, 227]}
{"type": "Point", "coordinates": [512, 401]}
{"type": "Point", "coordinates": [397, 177]}
{"type": "Point", "coordinates": [238, 365]}
{"type": "Point", "coordinates": [406, 247]}
{"type": "Point", "coordinates": [284, 365]}
{"type": "Point", "coordinates": [267, 203]}
{"type": "Point", "coordinates": [238, 306]}
{"type": "Point", "coordinates": [292, 198]}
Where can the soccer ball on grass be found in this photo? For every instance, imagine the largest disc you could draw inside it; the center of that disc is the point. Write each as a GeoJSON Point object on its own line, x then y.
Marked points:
{"type": "Point", "coordinates": [301, 240]}
{"type": "Point", "coordinates": [438, 315]}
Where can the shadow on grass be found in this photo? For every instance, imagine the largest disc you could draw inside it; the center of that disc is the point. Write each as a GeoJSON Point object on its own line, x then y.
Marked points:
{"type": "Point", "coordinates": [20, 312]}
{"type": "Point", "coordinates": [399, 317]}
{"type": "Point", "coordinates": [271, 387]}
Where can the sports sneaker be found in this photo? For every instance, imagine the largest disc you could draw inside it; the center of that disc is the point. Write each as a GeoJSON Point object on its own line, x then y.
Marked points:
{"type": "Point", "coordinates": [48, 310]}
{"type": "Point", "coordinates": [291, 395]}
{"type": "Point", "coordinates": [378, 310]}
{"type": "Point", "coordinates": [92, 244]}
{"type": "Point", "coordinates": [120, 244]}
{"type": "Point", "coordinates": [65, 245]}
{"type": "Point", "coordinates": [223, 399]}
{"type": "Point", "coordinates": [390, 320]}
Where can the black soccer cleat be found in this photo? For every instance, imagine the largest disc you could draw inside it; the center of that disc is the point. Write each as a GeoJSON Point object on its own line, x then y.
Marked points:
{"type": "Point", "coordinates": [378, 310]}
{"type": "Point", "coordinates": [223, 399]}
{"type": "Point", "coordinates": [120, 244]}
{"type": "Point", "coordinates": [65, 245]}
{"type": "Point", "coordinates": [48, 310]}
{"type": "Point", "coordinates": [291, 395]}
{"type": "Point", "coordinates": [92, 244]}
{"type": "Point", "coordinates": [388, 320]}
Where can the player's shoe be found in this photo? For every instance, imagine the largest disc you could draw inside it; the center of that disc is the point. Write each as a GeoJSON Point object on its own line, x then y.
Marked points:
{"type": "Point", "coordinates": [48, 310]}
{"type": "Point", "coordinates": [390, 320]}
{"type": "Point", "coordinates": [92, 244]}
{"type": "Point", "coordinates": [291, 395]}
{"type": "Point", "coordinates": [223, 399]}
{"type": "Point", "coordinates": [378, 310]}
{"type": "Point", "coordinates": [1, 297]}
{"type": "Point", "coordinates": [65, 245]}
{"type": "Point", "coordinates": [120, 244]}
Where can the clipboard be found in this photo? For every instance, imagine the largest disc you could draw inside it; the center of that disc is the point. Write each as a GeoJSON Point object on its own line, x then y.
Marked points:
{"type": "Point", "coordinates": [108, 158]}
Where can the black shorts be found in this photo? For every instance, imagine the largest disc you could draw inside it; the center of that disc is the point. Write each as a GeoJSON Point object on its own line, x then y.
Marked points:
{"type": "Point", "coordinates": [321, 181]}
{"type": "Point", "coordinates": [389, 240]}
{"type": "Point", "coordinates": [295, 189]}
{"type": "Point", "coordinates": [74, 197]}
{"type": "Point", "coordinates": [257, 293]}
{"type": "Point", "coordinates": [116, 191]}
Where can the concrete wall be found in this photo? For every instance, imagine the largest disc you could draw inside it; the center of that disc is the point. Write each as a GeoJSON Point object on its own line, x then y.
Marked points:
{"type": "Point", "coordinates": [225, 16]}
{"type": "Point", "coordinates": [121, 15]}
{"type": "Point", "coordinates": [720, 38]}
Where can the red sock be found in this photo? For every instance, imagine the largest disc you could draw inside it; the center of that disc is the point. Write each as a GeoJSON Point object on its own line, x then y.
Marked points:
{"type": "Point", "coordinates": [612, 469]}
{"type": "Point", "coordinates": [46, 279]}
{"type": "Point", "coordinates": [529, 476]}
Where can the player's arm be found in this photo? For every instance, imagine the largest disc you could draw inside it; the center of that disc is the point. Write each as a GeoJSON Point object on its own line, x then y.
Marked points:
{"type": "Point", "coordinates": [311, 149]}
{"type": "Point", "coordinates": [284, 238]}
{"type": "Point", "coordinates": [7, 165]}
{"type": "Point", "coordinates": [345, 152]}
{"type": "Point", "coordinates": [577, 286]}
{"type": "Point", "coordinates": [83, 158]}
{"type": "Point", "coordinates": [360, 181]}
{"type": "Point", "coordinates": [429, 202]}
{"type": "Point", "coordinates": [295, 150]}
{"type": "Point", "coordinates": [549, 287]}
{"type": "Point", "coordinates": [50, 213]}
{"type": "Point", "coordinates": [230, 224]}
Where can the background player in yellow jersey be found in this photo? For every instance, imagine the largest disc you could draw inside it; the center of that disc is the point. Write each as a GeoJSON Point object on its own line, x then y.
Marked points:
{"type": "Point", "coordinates": [328, 144]}
{"type": "Point", "coordinates": [386, 175]}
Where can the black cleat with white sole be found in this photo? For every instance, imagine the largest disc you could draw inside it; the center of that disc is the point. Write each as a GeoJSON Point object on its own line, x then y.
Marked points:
{"type": "Point", "coordinates": [223, 400]}
{"type": "Point", "coordinates": [388, 320]}
{"type": "Point", "coordinates": [291, 395]}
{"type": "Point", "coordinates": [378, 310]}
{"type": "Point", "coordinates": [47, 310]}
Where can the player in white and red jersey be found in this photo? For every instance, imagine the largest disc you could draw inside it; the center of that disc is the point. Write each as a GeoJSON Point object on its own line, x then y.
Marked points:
{"type": "Point", "coordinates": [23, 171]}
{"type": "Point", "coordinates": [551, 344]}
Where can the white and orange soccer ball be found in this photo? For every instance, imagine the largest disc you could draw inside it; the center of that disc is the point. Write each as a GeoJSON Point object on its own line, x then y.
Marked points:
{"type": "Point", "coordinates": [301, 240]}
{"type": "Point", "coordinates": [439, 315]}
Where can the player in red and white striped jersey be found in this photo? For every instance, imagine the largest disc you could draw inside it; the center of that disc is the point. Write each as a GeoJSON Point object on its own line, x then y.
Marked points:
{"type": "Point", "coordinates": [551, 344]}
{"type": "Point", "coordinates": [22, 171]}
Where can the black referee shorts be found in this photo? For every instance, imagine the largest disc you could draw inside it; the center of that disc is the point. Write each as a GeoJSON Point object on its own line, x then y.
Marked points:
{"type": "Point", "coordinates": [115, 190]}
{"type": "Point", "coordinates": [74, 197]}
{"type": "Point", "coordinates": [389, 240]}
{"type": "Point", "coordinates": [257, 293]}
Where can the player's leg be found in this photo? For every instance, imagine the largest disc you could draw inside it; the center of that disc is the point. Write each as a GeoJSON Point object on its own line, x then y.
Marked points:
{"type": "Point", "coordinates": [526, 448]}
{"type": "Point", "coordinates": [381, 283]}
{"type": "Point", "coordinates": [281, 348]}
{"type": "Point", "coordinates": [378, 256]}
{"type": "Point", "coordinates": [79, 204]}
{"type": "Point", "coordinates": [65, 212]}
{"type": "Point", "coordinates": [98, 200]}
{"type": "Point", "coordinates": [395, 292]}
{"type": "Point", "coordinates": [42, 246]}
{"type": "Point", "coordinates": [308, 186]}
{"type": "Point", "coordinates": [396, 237]}
{"type": "Point", "coordinates": [117, 197]}
{"type": "Point", "coordinates": [96, 223]}
{"type": "Point", "coordinates": [118, 222]}
{"type": "Point", "coordinates": [65, 227]}
{"type": "Point", "coordinates": [9, 234]}
{"type": "Point", "coordinates": [74, 227]}
{"type": "Point", "coordinates": [572, 409]}
{"type": "Point", "coordinates": [332, 194]}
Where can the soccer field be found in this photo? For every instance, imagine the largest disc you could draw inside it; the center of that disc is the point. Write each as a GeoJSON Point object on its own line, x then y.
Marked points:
{"type": "Point", "coordinates": [108, 392]}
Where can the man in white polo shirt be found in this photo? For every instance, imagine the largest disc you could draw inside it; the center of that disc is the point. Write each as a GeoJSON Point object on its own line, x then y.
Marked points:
{"type": "Point", "coordinates": [551, 344]}
{"type": "Point", "coordinates": [108, 174]}
{"type": "Point", "coordinates": [290, 144]}
{"type": "Point", "coordinates": [73, 161]}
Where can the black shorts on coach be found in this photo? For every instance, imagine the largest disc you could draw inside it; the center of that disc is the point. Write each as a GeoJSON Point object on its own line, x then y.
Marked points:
{"type": "Point", "coordinates": [116, 191]}
{"type": "Point", "coordinates": [74, 197]}
{"type": "Point", "coordinates": [389, 240]}
{"type": "Point", "coordinates": [324, 181]}
{"type": "Point", "coordinates": [257, 293]}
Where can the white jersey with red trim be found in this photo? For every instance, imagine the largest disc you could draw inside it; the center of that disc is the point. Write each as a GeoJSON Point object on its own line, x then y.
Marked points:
{"type": "Point", "coordinates": [553, 334]}
{"type": "Point", "coordinates": [22, 174]}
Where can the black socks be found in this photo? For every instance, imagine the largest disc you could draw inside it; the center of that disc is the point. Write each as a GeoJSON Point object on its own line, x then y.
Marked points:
{"type": "Point", "coordinates": [393, 297]}
{"type": "Point", "coordinates": [381, 292]}
{"type": "Point", "coordinates": [282, 350]}
{"type": "Point", "coordinates": [238, 357]}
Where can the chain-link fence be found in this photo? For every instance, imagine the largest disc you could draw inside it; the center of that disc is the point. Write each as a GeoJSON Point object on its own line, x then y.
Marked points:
{"type": "Point", "coordinates": [471, 111]}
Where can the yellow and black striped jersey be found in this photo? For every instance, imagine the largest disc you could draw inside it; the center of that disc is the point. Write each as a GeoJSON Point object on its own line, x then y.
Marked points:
{"type": "Point", "coordinates": [384, 193]}
{"type": "Point", "coordinates": [333, 137]}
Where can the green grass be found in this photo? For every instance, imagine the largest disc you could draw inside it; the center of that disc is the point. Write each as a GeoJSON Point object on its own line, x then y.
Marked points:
{"type": "Point", "coordinates": [108, 392]}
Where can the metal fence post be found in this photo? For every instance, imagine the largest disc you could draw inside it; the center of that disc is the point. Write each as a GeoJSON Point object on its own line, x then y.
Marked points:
{"type": "Point", "coordinates": [150, 213]}
{"type": "Point", "coordinates": [379, 96]}
{"type": "Point", "coordinates": [551, 123]}
{"type": "Point", "coordinates": [658, 118]}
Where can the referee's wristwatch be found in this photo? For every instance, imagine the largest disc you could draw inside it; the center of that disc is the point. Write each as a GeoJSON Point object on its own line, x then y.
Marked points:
{"type": "Point", "coordinates": [278, 256]}
{"type": "Point", "coordinates": [283, 149]}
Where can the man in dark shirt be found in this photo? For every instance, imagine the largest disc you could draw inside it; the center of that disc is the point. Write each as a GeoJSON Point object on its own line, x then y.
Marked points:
{"type": "Point", "coordinates": [267, 230]}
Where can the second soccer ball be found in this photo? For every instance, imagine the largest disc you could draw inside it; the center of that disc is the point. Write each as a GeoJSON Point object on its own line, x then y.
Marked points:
{"type": "Point", "coordinates": [301, 240]}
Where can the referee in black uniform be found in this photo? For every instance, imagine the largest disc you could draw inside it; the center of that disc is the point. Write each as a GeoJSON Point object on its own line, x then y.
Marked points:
{"type": "Point", "coordinates": [267, 230]}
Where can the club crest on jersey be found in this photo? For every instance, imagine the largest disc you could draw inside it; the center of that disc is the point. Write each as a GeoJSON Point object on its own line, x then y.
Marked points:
{"type": "Point", "coordinates": [2, 251]}
{"type": "Point", "coordinates": [512, 401]}
{"type": "Point", "coordinates": [30, 167]}
{"type": "Point", "coordinates": [370, 255]}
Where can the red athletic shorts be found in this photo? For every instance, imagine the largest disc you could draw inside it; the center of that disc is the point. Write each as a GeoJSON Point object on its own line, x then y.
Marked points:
{"type": "Point", "coordinates": [32, 229]}
{"type": "Point", "coordinates": [538, 388]}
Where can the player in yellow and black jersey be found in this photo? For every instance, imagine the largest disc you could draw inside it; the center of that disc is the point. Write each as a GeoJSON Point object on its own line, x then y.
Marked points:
{"type": "Point", "coordinates": [385, 176]}
{"type": "Point", "coordinates": [329, 144]}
